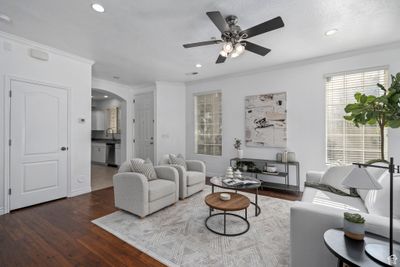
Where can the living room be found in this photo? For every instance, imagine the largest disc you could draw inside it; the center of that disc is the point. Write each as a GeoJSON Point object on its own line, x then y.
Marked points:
{"type": "Point", "coordinates": [260, 103]}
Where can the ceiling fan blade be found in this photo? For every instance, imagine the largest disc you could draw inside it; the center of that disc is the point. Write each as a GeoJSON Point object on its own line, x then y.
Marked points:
{"type": "Point", "coordinates": [220, 59]}
{"type": "Point", "coordinates": [264, 27]}
{"type": "Point", "coordinates": [218, 20]}
{"type": "Point", "coordinates": [259, 50]}
{"type": "Point", "coordinates": [202, 43]}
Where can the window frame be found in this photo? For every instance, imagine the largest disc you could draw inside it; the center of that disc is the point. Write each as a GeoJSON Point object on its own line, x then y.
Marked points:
{"type": "Point", "coordinates": [195, 111]}
{"type": "Point", "coordinates": [349, 72]}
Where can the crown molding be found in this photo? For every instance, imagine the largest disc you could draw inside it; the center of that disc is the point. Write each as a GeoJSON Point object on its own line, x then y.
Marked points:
{"type": "Point", "coordinates": [309, 61]}
{"type": "Point", "coordinates": [53, 50]}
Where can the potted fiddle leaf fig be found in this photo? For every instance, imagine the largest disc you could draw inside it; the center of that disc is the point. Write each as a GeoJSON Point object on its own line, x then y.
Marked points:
{"type": "Point", "coordinates": [383, 110]}
{"type": "Point", "coordinates": [353, 226]}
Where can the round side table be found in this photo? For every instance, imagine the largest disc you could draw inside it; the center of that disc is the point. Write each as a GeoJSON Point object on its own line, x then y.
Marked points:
{"type": "Point", "coordinates": [349, 251]}
{"type": "Point", "coordinates": [236, 203]}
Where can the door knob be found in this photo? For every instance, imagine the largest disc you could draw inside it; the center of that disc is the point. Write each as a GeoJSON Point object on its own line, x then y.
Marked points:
{"type": "Point", "coordinates": [151, 143]}
{"type": "Point", "coordinates": [63, 148]}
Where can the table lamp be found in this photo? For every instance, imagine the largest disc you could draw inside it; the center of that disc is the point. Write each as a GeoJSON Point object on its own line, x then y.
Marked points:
{"type": "Point", "coordinates": [359, 178]}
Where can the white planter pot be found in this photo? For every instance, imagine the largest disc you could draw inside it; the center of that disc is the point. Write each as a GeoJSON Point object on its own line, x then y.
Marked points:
{"type": "Point", "coordinates": [240, 153]}
{"type": "Point", "coordinates": [354, 230]}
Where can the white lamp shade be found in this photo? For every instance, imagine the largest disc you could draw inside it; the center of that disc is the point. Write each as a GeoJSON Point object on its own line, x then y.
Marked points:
{"type": "Point", "coordinates": [361, 179]}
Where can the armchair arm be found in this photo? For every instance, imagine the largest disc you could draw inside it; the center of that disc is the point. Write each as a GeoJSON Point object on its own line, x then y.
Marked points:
{"type": "Point", "coordinates": [196, 165]}
{"type": "Point", "coordinates": [131, 192]}
{"type": "Point", "coordinates": [314, 176]}
{"type": "Point", "coordinates": [182, 179]}
{"type": "Point", "coordinates": [308, 223]}
{"type": "Point", "coordinates": [169, 173]}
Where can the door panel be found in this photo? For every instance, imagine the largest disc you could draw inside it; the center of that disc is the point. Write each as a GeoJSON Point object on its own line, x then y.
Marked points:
{"type": "Point", "coordinates": [144, 126]}
{"type": "Point", "coordinates": [38, 130]}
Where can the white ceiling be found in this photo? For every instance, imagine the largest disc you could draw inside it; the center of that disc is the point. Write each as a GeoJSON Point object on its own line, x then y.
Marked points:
{"type": "Point", "coordinates": [141, 41]}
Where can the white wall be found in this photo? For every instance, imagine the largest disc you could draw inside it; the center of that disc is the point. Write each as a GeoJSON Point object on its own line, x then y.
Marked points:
{"type": "Point", "coordinates": [170, 118]}
{"type": "Point", "coordinates": [304, 85]}
{"type": "Point", "coordinates": [61, 69]}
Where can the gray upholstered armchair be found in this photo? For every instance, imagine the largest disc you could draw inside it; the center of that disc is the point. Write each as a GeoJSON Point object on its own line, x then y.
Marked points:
{"type": "Point", "coordinates": [192, 179]}
{"type": "Point", "coordinates": [134, 193]}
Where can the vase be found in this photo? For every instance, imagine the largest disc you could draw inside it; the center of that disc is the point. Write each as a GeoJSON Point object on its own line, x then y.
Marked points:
{"type": "Point", "coordinates": [240, 153]}
{"type": "Point", "coordinates": [354, 231]}
{"type": "Point", "coordinates": [285, 157]}
{"type": "Point", "coordinates": [291, 157]}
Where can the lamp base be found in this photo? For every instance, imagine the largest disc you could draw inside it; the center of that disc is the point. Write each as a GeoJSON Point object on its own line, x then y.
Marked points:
{"type": "Point", "coordinates": [380, 253]}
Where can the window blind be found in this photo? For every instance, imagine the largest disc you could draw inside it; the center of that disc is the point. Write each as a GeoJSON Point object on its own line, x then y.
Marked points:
{"type": "Point", "coordinates": [345, 142]}
{"type": "Point", "coordinates": [208, 124]}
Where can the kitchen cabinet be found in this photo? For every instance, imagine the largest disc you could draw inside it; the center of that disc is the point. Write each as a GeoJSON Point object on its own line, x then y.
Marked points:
{"type": "Point", "coordinates": [98, 120]}
{"type": "Point", "coordinates": [99, 152]}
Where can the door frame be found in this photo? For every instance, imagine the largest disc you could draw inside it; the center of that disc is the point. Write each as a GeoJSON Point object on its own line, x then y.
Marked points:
{"type": "Point", "coordinates": [7, 134]}
{"type": "Point", "coordinates": [153, 93]}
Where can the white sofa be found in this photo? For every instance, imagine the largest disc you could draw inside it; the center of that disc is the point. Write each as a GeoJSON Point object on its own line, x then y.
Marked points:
{"type": "Point", "coordinates": [192, 179]}
{"type": "Point", "coordinates": [134, 193]}
{"type": "Point", "coordinates": [319, 211]}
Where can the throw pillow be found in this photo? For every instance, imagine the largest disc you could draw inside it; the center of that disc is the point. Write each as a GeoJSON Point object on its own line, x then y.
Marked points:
{"type": "Point", "coordinates": [177, 160]}
{"type": "Point", "coordinates": [144, 167]}
{"type": "Point", "coordinates": [378, 201]}
{"type": "Point", "coordinates": [335, 175]}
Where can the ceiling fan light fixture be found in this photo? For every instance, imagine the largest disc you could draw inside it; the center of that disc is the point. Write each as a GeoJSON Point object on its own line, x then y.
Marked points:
{"type": "Point", "coordinates": [228, 47]}
{"type": "Point", "coordinates": [239, 48]}
{"type": "Point", "coordinates": [234, 54]}
{"type": "Point", "coordinates": [223, 53]}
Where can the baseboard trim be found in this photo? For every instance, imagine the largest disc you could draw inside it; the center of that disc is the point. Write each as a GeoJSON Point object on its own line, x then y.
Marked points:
{"type": "Point", "coordinates": [1, 211]}
{"type": "Point", "coordinates": [80, 191]}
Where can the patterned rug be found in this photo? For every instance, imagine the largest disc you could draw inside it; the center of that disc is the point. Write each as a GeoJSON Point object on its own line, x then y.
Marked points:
{"type": "Point", "coordinates": [177, 236]}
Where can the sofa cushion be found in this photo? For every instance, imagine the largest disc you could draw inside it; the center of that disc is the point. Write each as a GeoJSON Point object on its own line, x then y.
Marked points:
{"type": "Point", "coordinates": [195, 178]}
{"type": "Point", "coordinates": [335, 175]}
{"type": "Point", "coordinates": [377, 201]}
{"type": "Point", "coordinates": [328, 199]}
{"type": "Point", "coordinates": [160, 188]}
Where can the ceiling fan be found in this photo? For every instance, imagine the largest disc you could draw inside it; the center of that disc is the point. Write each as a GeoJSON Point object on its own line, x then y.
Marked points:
{"type": "Point", "coordinates": [234, 40]}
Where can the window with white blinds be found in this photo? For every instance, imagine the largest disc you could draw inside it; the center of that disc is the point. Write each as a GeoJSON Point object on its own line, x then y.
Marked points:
{"type": "Point", "coordinates": [208, 124]}
{"type": "Point", "coordinates": [345, 142]}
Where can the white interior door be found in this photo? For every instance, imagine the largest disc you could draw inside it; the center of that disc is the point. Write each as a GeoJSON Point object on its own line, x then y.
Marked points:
{"type": "Point", "coordinates": [144, 126]}
{"type": "Point", "coordinates": [39, 136]}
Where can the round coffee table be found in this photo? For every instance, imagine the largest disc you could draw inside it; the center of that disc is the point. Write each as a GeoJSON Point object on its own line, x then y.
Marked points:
{"type": "Point", "coordinates": [236, 203]}
{"type": "Point", "coordinates": [218, 182]}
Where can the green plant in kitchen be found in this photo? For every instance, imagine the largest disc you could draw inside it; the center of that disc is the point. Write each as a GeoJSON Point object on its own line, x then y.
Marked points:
{"type": "Point", "coordinates": [383, 110]}
{"type": "Point", "coordinates": [354, 217]}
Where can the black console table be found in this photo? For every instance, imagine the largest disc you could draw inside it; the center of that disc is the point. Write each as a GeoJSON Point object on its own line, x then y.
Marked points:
{"type": "Point", "coordinates": [256, 171]}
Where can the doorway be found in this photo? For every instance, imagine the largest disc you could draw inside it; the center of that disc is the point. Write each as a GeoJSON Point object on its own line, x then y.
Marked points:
{"type": "Point", "coordinates": [108, 128]}
{"type": "Point", "coordinates": [38, 143]}
{"type": "Point", "coordinates": [144, 126]}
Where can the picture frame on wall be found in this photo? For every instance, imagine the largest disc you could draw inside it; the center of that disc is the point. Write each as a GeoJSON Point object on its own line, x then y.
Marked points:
{"type": "Point", "coordinates": [266, 120]}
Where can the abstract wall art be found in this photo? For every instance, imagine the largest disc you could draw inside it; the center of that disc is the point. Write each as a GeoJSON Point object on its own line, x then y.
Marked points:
{"type": "Point", "coordinates": [266, 120]}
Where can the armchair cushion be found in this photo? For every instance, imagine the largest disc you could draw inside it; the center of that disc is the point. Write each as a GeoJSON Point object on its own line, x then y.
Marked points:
{"type": "Point", "coordinates": [335, 175]}
{"type": "Point", "coordinates": [144, 167]}
{"type": "Point", "coordinates": [195, 178]}
{"type": "Point", "coordinates": [160, 188]}
{"type": "Point", "coordinates": [177, 160]}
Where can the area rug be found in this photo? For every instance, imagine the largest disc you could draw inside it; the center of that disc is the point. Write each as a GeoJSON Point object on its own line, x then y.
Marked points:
{"type": "Point", "coordinates": [177, 236]}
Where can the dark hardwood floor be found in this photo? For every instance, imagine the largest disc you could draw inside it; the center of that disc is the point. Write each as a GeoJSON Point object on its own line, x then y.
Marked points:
{"type": "Point", "coordinates": [59, 233]}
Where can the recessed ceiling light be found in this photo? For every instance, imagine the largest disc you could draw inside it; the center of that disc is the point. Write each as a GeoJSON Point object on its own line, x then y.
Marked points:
{"type": "Point", "coordinates": [331, 32]}
{"type": "Point", "coordinates": [198, 65]}
{"type": "Point", "coordinates": [5, 18]}
{"type": "Point", "coordinates": [105, 96]}
{"type": "Point", "coordinates": [97, 7]}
